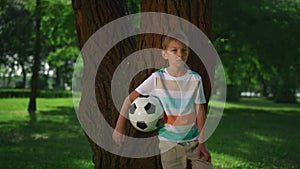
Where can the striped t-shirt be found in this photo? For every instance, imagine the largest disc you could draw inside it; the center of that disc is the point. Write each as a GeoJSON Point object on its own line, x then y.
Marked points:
{"type": "Point", "coordinates": [178, 96]}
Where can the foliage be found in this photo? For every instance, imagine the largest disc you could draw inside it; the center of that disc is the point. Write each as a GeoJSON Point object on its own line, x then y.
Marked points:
{"type": "Point", "coordinates": [60, 43]}
{"type": "Point", "coordinates": [58, 34]}
{"type": "Point", "coordinates": [258, 43]}
{"type": "Point", "coordinates": [16, 38]}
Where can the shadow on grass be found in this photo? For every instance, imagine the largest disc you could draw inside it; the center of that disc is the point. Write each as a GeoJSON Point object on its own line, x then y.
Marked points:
{"type": "Point", "coordinates": [248, 138]}
{"type": "Point", "coordinates": [55, 140]}
{"type": "Point", "coordinates": [260, 138]}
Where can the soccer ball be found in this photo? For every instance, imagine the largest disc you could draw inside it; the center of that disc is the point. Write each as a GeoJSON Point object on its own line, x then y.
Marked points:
{"type": "Point", "coordinates": [145, 113]}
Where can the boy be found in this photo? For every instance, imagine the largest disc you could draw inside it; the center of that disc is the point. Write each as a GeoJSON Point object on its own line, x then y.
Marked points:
{"type": "Point", "coordinates": [181, 94]}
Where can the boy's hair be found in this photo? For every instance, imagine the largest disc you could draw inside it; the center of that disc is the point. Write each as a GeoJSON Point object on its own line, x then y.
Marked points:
{"type": "Point", "coordinates": [167, 39]}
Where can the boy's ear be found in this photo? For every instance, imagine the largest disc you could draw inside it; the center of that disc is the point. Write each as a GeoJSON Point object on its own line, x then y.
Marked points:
{"type": "Point", "coordinates": [164, 54]}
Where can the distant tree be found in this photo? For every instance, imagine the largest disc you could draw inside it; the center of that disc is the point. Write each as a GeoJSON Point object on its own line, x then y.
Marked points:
{"type": "Point", "coordinates": [36, 61]}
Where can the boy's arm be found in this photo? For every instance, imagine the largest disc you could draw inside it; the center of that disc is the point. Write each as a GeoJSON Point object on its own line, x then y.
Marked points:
{"type": "Point", "coordinates": [119, 129]}
{"type": "Point", "coordinates": [201, 117]}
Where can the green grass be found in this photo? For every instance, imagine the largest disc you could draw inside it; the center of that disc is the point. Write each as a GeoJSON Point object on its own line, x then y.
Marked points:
{"type": "Point", "coordinates": [257, 133]}
{"type": "Point", "coordinates": [55, 140]}
{"type": "Point", "coordinates": [253, 134]}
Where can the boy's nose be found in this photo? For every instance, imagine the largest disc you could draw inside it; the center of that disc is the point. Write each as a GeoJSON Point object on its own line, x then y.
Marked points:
{"type": "Point", "coordinates": [179, 54]}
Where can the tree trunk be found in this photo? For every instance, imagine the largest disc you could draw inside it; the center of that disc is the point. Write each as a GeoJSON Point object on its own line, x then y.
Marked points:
{"type": "Point", "coordinates": [285, 88]}
{"type": "Point", "coordinates": [93, 14]}
{"type": "Point", "coordinates": [36, 64]}
{"type": "Point", "coordinates": [58, 84]}
{"type": "Point", "coordinates": [90, 16]}
{"type": "Point", "coordinates": [24, 74]}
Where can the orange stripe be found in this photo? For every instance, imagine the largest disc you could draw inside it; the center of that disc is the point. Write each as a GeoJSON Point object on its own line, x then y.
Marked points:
{"type": "Point", "coordinates": [180, 120]}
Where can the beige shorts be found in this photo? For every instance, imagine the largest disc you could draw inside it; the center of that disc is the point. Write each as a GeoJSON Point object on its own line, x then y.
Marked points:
{"type": "Point", "coordinates": [177, 156]}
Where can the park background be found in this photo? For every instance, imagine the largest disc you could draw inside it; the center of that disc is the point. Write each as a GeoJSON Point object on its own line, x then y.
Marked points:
{"type": "Point", "coordinates": [258, 44]}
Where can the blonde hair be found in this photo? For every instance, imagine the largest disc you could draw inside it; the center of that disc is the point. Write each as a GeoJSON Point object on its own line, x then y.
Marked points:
{"type": "Point", "coordinates": [167, 39]}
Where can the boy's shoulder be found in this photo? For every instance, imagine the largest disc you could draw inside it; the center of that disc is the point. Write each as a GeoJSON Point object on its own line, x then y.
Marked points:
{"type": "Point", "coordinates": [195, 74]}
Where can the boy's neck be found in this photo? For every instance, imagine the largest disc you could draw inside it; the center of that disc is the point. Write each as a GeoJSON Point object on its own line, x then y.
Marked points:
{"type": "Point", "coordinates": [176, 71]}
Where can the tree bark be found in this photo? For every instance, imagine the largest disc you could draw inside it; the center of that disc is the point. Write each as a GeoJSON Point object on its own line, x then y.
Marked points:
{"type": "Point", "coordinates": [93, 14]}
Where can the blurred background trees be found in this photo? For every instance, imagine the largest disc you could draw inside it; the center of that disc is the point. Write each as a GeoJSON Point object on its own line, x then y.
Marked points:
{"type": "Point", "coordinates": [258, 43]}
{"type": "Point", "coordinates": [58, 43]}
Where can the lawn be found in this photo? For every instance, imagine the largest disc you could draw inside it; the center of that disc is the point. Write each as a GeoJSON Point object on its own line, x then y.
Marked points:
{"type": "Point", "coordinates": [256, 133]}
{"type": "Point", "coordinates": [253, 133]}
{"type": "Point", "coordinates": [55, 140]}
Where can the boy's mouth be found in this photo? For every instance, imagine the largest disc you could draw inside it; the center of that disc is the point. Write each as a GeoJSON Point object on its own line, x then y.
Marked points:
{"type": "Point", "coordinates": [180, 59]}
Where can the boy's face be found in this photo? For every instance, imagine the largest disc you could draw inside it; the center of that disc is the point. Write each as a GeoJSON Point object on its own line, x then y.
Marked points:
{"type": "Point", "coordinates": [176, 53]}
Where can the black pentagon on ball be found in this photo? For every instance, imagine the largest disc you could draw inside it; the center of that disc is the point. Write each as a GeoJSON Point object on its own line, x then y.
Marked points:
{"type": "Point", "coordinates": [142, 125]}
{"type": "Point", "coordinates": [132, 108]}
{"type": "Point", "coordinates": [150, 108]}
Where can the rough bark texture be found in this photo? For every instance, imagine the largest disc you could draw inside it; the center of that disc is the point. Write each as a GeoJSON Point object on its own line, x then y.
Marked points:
{"type": "Point", "coordinates": [93, 14]}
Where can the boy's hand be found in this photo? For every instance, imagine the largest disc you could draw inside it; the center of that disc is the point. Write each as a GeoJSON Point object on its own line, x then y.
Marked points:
{"type": "Point", "coordinates": [202, 150]}
{"type": "Point", "coordinates": [118, 136]}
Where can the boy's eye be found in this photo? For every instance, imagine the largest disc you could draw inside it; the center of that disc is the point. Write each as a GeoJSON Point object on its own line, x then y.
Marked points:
{"type": "Point", "coordinates": [184, 50]}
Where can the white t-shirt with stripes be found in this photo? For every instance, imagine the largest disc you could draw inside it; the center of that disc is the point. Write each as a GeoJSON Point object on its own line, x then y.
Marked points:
{"type": "Point", "coordinates": [178, 96]}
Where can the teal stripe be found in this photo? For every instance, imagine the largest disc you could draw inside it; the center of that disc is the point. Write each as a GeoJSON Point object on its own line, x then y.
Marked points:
{"type": "Point", "coordinates": [195, 73]}
{"type": "Point", "coordinates": [184, 136]}
{"type": "Point", "coordinates": [161, 71]}
{"type": "Point", "coordinates": [176, 103]}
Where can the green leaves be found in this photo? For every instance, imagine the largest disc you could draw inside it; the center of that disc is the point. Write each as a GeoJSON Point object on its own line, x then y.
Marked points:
{"type": "Point", "coordinates": [58, 34]}
{"type": "Point", "coordinates": [257, 38]}
{"type": "Point", "coordinates": [63, 55]}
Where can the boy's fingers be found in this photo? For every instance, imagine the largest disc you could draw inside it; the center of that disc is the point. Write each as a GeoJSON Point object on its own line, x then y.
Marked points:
{"type": "Point", "coordinates": [207, 156]}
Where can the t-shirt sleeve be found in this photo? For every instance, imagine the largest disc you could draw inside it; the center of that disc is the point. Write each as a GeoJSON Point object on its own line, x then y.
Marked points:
{"type": "Point", "coordinates": [146, 87]}
{"type": "Point", "coordinates": [200, 97]}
